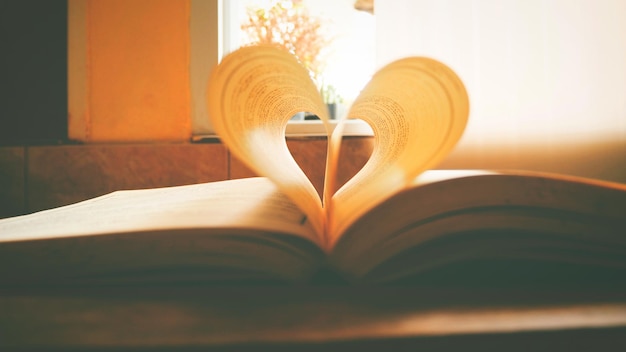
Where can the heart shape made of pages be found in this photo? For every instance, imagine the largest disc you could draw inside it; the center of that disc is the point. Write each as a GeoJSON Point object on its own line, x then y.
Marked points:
{"type": "Point", "coordinates": [417, 107]}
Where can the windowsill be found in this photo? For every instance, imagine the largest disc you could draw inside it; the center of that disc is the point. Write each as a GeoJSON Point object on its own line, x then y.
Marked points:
{"type": "Point", "coordinates": [352, 128]}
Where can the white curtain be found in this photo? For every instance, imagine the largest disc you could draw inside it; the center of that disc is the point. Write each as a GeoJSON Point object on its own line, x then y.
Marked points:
{"type": "Point", "coordinates": [534, 68]}
{"type": "Point", "coordinates": [546, 73]}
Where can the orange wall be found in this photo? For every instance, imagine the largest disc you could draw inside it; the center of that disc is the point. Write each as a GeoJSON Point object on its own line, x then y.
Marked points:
{"type": "Point", "coordinates": [136, 70]}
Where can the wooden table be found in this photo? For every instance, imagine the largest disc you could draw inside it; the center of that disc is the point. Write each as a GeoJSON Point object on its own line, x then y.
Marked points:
{"type": "Point", "coordinates": [310, 318]}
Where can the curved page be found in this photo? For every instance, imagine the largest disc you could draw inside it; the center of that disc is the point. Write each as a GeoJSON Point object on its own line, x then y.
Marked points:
{"type": "Point", "coordinates": [254, 204]}
{"type": "Point", "coordinates": [204, 232]}
{"type": "Point", "coordinates": [507, 214]}
{"type": "Point", "coordinates": [418, 109]}
{"type": "Point", "coordinates": [252, 95]}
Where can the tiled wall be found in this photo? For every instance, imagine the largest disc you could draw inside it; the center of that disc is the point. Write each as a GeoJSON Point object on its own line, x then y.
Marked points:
{"type": "Point", "coordinates": [40, 177]}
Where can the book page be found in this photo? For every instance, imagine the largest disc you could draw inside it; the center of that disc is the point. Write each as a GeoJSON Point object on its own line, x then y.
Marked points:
{"type": "Point", "coordinates": [230, 230]}
{"type": "Point", "coordinates": [252, 95]}
{"type": "Point", "coordinates": [457, 215]}
{"type": "Point", "coordinates": [418, 109]}
{"type": "Point", "coordinates": [255, 204]}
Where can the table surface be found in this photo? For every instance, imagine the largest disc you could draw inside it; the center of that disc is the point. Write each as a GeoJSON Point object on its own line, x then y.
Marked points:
{"type": "Point", "coordinates": [307, 316]}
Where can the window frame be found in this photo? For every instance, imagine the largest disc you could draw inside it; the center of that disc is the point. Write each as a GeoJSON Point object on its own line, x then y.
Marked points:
{"type": "Point", "coordinates": [213, 22]}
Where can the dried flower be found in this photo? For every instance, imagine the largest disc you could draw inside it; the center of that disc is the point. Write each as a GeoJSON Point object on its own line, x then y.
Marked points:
{"type": "Point", "coordinates": [290, 25]}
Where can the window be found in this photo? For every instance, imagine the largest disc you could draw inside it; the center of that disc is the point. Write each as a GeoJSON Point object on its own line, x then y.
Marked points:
{"type": "Point", "coordinates": [349, 63]}
{"type": "Point", "coordinates": [539, 71]}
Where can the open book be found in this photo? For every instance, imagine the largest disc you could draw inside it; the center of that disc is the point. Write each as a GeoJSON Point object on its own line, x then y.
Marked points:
{"type": "Point", "coordinates": [394, 221]}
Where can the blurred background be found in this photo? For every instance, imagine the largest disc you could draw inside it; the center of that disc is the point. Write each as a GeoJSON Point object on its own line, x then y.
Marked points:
{"type": "Point", "coordinates": [100, 95]}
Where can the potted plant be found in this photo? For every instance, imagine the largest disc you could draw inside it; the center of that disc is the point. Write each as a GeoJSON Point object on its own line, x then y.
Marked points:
{"type": "Point", "coordinates": [331, 98]}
